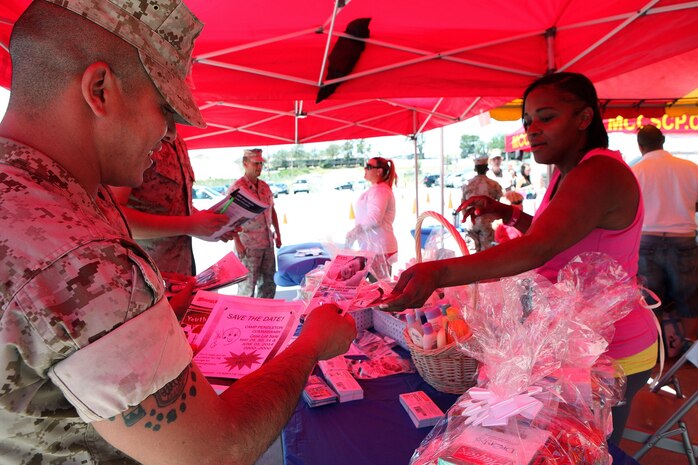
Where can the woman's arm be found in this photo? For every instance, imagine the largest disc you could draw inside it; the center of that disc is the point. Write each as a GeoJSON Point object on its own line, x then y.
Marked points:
{"type": "Point", "coordinates": [599, 193]}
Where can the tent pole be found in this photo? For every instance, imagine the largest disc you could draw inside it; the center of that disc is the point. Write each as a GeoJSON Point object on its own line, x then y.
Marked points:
{"type": "Point", "coordinates": [327, 43]}
{"type": "Point", "coordinates": [295, 123]}
{"type": "Point", "coordinates": [416, 165]}
{"type": "Point", "coordinates": [441, 159]}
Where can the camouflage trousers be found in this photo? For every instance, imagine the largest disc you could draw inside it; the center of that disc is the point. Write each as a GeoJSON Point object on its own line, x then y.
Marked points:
{"type": "Point", "coordinates": [261, 264]}
{"type": "Point", "coordinates": [482, 229]}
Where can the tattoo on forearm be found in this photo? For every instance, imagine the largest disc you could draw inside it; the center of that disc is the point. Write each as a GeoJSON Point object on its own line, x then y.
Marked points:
{"type": "Point", "coordinates": [171, 399]}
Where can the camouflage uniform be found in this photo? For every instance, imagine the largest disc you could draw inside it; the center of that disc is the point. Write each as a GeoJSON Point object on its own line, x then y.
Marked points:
{"type": "Point", "coordinates": [166, 190]}
{"type": "Point", "coordinates": [482, 225]}
{"type": "Point", "coordinates": [83, 322]}
{"type": "Point", "coordinates": [256, 236]}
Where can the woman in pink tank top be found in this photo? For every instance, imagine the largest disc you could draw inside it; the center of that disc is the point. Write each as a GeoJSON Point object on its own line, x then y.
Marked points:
{"type": "Point", "coordinates": [593, 203]}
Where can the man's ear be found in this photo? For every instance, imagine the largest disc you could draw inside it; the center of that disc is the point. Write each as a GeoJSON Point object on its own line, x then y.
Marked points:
{"type": "Point", "coordinates": [96, 85]}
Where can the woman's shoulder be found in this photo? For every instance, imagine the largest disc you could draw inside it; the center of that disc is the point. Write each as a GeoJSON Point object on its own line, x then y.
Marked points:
{"type": "Point", "coordinates": [601, 151]}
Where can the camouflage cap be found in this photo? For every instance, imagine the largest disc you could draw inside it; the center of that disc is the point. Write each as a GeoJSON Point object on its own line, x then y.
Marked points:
{"type": "Point", "coordinates": [253, 155]}
{"type": "Point", "coordinates": [481, 160]}
{"type": "Point", "coordinates": [163, 31]}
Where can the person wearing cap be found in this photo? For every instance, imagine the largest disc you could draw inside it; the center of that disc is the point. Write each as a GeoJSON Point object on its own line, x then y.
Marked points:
{"type": "Point", "coordinates": [160, 212]}
{"type": "Point", "coordinates": [497, 173]}
{"type": "Point", "coordinates": [257, 237]}
{"type": "Point", "coordinates": [668, 250]}
{"type": "Point", "coordinates": [480, 185]}
{"type": "Point", "coordinates": [94, 366]}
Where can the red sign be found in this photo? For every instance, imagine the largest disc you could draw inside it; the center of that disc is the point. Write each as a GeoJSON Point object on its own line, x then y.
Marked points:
{"type": "Point", "coordinates": [682, 124]}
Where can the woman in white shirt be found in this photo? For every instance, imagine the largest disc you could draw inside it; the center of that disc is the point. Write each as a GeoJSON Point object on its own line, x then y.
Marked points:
{"type": "Point", "coordinates": [375, 213]}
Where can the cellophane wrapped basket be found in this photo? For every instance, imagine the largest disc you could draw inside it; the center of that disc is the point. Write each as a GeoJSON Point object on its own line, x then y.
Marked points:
{"type": "Point", "coordinates": [447, 369]}
{"type": "Point", "coordinates": [544, 389]}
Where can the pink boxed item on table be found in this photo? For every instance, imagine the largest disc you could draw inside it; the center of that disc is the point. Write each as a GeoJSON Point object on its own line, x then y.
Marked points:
{"type": "Point", "coordinates": [421, 409]}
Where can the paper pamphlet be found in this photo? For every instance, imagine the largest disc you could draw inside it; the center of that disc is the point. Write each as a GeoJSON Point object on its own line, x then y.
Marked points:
{"type": "Point", "coordinates": [242, 333]}
{"type": "Point", "coordinates": [345, 284]}
{"type": "Point", "coordinates": [196, 315]}
{"type": "Point", "coordinates": [240, 205]}
{"type": "Point", "coordinates": [227, 270]}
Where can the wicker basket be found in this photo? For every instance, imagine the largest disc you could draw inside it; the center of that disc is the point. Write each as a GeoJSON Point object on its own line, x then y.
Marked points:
{"type": "Point", "coordinates": [446, 369]}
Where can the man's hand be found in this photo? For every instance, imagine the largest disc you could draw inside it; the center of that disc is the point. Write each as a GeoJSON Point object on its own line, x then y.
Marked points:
{"type": "Point", "coordinates": [205, 223]}
{"type": "Point", "coordinates": [328, 331]}
{"type": "Point", "coordinates": [182, 289]}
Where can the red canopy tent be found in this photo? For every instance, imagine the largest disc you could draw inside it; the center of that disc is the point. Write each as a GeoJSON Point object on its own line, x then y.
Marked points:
{"type": "Point", "coordinates": [258, 65]}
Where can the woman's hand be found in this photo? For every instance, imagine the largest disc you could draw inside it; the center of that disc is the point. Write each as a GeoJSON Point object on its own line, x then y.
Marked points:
{"type": "Point", "coordinates": [350, 238]}
{"type": "Point", "coordinates": [483, 205]}
{"type": "Point", "coordinates": [415, 286]}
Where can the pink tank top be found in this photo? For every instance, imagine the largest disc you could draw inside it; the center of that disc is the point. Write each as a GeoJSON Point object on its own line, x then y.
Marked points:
{"type": "Point", "coordinates": [637, 331]}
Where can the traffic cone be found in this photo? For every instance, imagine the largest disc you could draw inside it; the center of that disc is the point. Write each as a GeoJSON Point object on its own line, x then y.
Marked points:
{"type": "Point", "coordinates": [351, 211]}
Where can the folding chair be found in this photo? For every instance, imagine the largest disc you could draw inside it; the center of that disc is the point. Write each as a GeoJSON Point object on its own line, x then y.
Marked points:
{"type": "Point", "coordinates": [677, 418]}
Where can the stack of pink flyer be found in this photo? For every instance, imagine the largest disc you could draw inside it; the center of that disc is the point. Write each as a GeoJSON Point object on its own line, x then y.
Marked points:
{"type": "Point", "coordinates": [242, 333]}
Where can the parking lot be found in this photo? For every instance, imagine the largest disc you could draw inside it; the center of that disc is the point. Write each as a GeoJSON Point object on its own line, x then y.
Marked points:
{"type": "Point", "coordinates": [325, 215]}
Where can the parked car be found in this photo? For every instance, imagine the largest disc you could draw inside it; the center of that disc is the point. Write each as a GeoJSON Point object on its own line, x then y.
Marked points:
{"type": "Point", "coordinates": [456, 180]}
{"type": "Point", "coordinates": [278, 188]}
{"type": "Point", "coordinates": [203, 197]}
{"type": "Point", "coordinates": [220, 189]}
{"type": "Point", "coordinates": [300, 185]}
{"type": "Point", "coordinates": [431, 180]}
{"type": "Point", "coordinates": [346, 185]}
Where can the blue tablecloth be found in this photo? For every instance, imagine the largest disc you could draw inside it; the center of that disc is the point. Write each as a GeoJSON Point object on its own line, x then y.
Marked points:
{"type": "Point", "coordinates": [373, 431]}
{"type": "Point", "coordinates": [292, 268]}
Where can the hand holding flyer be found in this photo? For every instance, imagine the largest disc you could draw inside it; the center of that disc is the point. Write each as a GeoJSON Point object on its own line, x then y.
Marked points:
{"type": "Point", "coordinates": [345, 284]}
{"type": "Point", "coordinates": [239, 206]}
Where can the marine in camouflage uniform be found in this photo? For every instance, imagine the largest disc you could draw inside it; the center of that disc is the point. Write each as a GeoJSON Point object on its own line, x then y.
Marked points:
{"type": "Point", "coordinates": [74, 293]}
{"type": "Point", "coordinates": [482, 225]}
{"type": "Point", "coordinates": [167, 190]}
{"type": "Point", "coordinates": [258, 239]}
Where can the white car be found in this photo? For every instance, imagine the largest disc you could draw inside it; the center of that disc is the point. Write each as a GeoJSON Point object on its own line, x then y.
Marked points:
{"type": "Point", "coordinates": [300, 185]}
{"type": "Point", "coordinates": [203, 197]}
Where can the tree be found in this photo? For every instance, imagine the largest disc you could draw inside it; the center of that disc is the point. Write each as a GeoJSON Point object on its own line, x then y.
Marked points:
{"type": "Point", "coordinates": [362, 148]}
{"type": "Point", "coordinates": [332, 151]}
{"type": "Point", "coordinates": [470, 144]}
{"type": "Point", "coordinates": [497, 142]}
{"type": "Point", "coordinates": [347, 149]}
{"type": "Point", "coordinates": [280, 159]}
